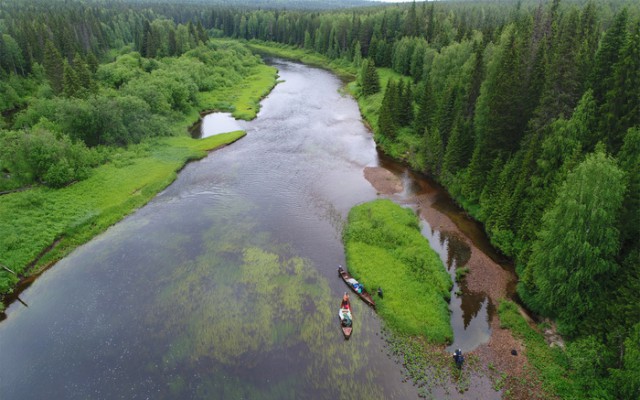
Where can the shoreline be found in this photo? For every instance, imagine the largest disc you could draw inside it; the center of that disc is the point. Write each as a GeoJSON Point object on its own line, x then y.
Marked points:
{"type": "Point", "coordinates": [487, 276]}
{"type": "Point", "coordinates": [513, 374]}
{"type": "Point", "coordinates": [148, 173]}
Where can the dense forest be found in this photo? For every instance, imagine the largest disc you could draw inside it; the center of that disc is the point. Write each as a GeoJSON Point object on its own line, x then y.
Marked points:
{"type": "Point", "coordinates": [528, 112]}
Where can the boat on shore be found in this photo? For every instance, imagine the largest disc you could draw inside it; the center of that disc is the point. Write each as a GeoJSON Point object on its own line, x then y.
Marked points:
{"type": "Point", "coordinates": [356, 286]}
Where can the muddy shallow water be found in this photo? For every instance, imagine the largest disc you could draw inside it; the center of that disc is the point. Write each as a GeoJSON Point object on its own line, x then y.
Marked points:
{"type": "Point", "coordinates": [225, 285]}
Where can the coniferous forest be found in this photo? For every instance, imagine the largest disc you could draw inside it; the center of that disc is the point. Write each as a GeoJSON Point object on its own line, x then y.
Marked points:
{"type": "Point", "coordinates": [528, 112]}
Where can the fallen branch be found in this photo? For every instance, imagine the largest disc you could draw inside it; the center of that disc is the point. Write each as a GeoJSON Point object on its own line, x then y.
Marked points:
{"type": "Point", "coordinates": [8, 269]}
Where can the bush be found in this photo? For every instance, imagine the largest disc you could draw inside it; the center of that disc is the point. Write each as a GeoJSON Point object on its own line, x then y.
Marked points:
{"type": "Point", "coordinates": [41, 156]}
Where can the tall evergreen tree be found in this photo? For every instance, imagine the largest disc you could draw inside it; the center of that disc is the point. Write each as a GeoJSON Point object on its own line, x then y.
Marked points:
{"type": "Point", "coordinates": [357, 54]}
{"type": "Point", "coordinates": [386, 118]}
{"type": "Point", "coordinates": [500, 118]}
{"type": "Point", "coordinates": [573, 261]}
{"type": "Point", "coordinates": [458, 149]}
{"type": "Point", "coordinates": [426, 107]}
{"type": "Point", "coordinates": [405, 104]}
{"type": "Point", "coordinates": [629, 159]}
{"type": "Point", "coordinates": [621, 109]}
{"type": "Point", "coordinates": [71, 83]}
{"type": "Point", "coordinates": [563, 82]}
{"type": "Point", "coordinates": [53, 67]}
{"type": "Point", "coordinates": [411, 21]}
{"type": "Point", "coordinates": [369, 78]}
{"type": "Point", "coordinates": [608, 55]}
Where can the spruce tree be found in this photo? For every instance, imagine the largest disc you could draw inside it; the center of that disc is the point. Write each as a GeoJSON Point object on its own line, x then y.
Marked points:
{"type": "Point", "coordinates": [53, 67]}
{"type": "Point", "coordinates": [404, 109]}
{"type": "Point", "coordinates": [608, 55]}
{"type": "Point", "coordinates": [370, 78]}
{"type": "Point", "coordinates": [621, 109]}
{"type": "Point", "coordinates": [573, 261]}
{"type": "Point", "coordinates": [629, 160]}
{"type": "Point", "coordinates": [386, 120]}
{"type": "Point", "coordinates": [82, 72]}
{"type": "Point", "coordinates": [357, 54]}
{"type": "Point", "coordinates": [426, 105]}
{"type": "Point", "coordinates": [459, 147]}
{"type": "Point", "coordinates": [308, 42]}
{"type": "Point", "coordinates": [71, 83]}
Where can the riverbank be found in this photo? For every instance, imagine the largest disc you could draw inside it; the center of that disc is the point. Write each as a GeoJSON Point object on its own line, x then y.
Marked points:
{"type": "Point", "coordinates": [529, 373]}
{"type": "Point", "coordinates": [514, 375]}
{"type": "Point", "coordinates": [41, 225]}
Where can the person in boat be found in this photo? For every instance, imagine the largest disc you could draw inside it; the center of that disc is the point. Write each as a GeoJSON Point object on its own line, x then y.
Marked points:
{"type": "Point", "coordinates": [458, 358]}
{"type": "Point", "coordinates": [358, 287]}
{"type": "Point", "coordinates": [345, 302]}
{"type": "Point", "coordinates": [345, 318]}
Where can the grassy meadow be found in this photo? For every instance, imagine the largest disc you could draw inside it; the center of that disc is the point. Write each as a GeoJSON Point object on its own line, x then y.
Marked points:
{"type": "Point", "coordinates": [385, 248]}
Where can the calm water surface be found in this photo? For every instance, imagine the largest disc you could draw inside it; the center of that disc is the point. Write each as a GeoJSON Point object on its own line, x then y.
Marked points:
{"type": "Point", "coordinates": [214, 124]}
{"type": "Point", "coordinates": [225, 285]}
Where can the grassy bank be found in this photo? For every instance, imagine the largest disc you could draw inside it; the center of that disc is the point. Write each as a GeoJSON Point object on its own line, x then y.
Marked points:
{"type": "Point", "coordinates": [242, 100]}
{"type": "Point", "coordinates": [40, 225]}
{"type": "Point", "coordinates": [343, 68]}
{"type": "Point", "coordinates": [384, 248]}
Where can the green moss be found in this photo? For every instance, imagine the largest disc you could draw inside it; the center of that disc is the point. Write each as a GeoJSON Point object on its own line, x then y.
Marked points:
{"type": "Point", "coordinates": [385, 249]}
{"type": "Point", "coordinates": [461, 273]}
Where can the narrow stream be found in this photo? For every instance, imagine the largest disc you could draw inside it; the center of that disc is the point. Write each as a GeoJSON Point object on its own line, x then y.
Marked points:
{"type": "Point", "coordinates": [225, 285]}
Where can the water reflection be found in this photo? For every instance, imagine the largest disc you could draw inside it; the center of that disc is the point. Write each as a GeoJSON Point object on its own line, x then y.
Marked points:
{"type": "Point", "coordinates": [214, 124]}
{"type": "Point", "coordinates": [471, 312]}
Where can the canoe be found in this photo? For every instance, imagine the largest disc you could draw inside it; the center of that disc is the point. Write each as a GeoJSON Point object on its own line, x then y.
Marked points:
{"type": "Point", "coordinates": [350, 281]}
{"type": "Point", "coordinates": [347, 328]}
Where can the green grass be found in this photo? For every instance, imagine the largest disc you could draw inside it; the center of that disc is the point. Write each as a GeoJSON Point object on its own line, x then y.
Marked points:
{"type": "Point", "coordinates": [461, 273]}
{"type": "Point", "coordinates": [243, 100]}
{"type": "Point", "coordinates": [343, 68]}
{"type": "Point", "coordinates": [384, 248]}
{"type": "Point", "coordinates": [551, 364]}
{"type": "Point", "coordinates": [33, 220]}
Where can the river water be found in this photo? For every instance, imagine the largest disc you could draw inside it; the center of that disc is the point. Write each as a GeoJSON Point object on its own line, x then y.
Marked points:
{"type": "Point", "coordinates": [225, 285]}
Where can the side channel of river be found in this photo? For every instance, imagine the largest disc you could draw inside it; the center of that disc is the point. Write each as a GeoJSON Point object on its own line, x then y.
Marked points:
{"type": "Point", "coordinates": [225, 285]}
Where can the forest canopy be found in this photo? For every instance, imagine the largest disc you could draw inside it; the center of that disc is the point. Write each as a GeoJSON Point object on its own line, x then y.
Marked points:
{"type": "Point", "coordinates": [528, 112]}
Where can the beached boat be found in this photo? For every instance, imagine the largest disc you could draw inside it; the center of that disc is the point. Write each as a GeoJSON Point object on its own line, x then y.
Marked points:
{"type": "Point", "coordinates": [356, 287]}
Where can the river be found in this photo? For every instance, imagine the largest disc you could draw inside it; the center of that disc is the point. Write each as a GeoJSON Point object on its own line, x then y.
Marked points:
{"type": "Point", "coordinates": [225, 286]}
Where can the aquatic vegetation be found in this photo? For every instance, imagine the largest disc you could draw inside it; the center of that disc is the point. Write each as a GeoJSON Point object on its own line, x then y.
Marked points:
{"type": "Point", "coordinates": [253, 306]}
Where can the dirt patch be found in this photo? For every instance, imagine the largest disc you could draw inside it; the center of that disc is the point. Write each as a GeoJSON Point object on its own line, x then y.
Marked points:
{"type": "Point", "coordinates": [384, 181]}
